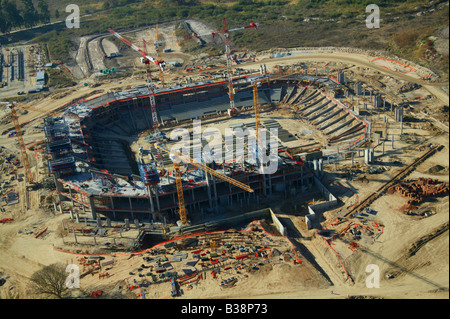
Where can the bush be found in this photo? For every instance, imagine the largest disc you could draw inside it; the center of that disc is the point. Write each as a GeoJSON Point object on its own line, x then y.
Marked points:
{"type": "Point", "coordinates": [406, 38]}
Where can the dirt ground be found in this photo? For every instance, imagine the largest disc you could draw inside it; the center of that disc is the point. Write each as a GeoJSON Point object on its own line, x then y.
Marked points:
{"type": "Point", "coordinates": [422, 275]}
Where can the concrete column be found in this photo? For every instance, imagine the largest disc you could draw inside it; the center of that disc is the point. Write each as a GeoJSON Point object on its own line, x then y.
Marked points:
{"type": "Point", "coordinates": [230, 197]}
{"type": "Point", "coordinates": [385, 127]}
{"type": "Point", "coordinates": [215, 191]}
{"type": "Point", "coordinates": [108, 222]}
{"type": "Point", "coordinates": [92, 207]}
{"type": "Point", "coordinates": [208, 189]}
{"type": "Point", "coordinates": [70, 193]}
{"type": "Point", "coordinates": [152, 207]}
{"type": "Point", "coordinates": [74, 235]}
{"type": "Point", "coordinates": [59, 187]}
{"type": "Point", "coordinates": [315, 164]}
{"type": "Point", "coordinates": [157, 198]}
{"type": "Point", "coordinates": [127, 223]}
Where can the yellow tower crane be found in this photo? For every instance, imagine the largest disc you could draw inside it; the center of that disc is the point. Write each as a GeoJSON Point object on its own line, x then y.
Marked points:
{"type": "Point", "coordinates": [23, 151]}
{"type": "Point", "coordinates": [256, 104]}
{"type": "Point", "coordinates": [187, 159]}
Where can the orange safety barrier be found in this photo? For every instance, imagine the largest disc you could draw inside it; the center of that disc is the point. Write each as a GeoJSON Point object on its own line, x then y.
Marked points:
{"type": "Point", "coordinates": [178, 238]}
{"type": "Point", "coordinates": [402, 64]}
{"type": "Point", "coordinates": [337, 255]}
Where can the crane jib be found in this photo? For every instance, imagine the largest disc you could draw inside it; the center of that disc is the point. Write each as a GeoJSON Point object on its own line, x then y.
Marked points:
{"type": "Point", "coordinates": [205, 168]}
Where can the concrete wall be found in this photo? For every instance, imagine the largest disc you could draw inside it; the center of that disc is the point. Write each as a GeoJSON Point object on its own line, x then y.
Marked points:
{"type": "Point", "coordinates": [277, 223]}
{"type": "Point", "coordinates": [316, 209]}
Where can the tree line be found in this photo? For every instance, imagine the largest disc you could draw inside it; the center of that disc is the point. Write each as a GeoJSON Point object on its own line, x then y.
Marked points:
{"type": "Point", "coordinates": [15, 14]}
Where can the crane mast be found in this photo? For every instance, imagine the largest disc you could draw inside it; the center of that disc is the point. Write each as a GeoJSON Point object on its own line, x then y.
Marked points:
{"type": "Point", "coordinates": [226, 32]}
{"type": "Point", "coordinates": [151, 90]}
{"type": "Point", "coordinates": [232, 109]}
{"type": "Point", "coordinates": [158, 54]}
{"type": "Point", "coordinates": [181, 205]}
{"type": "Point", "coordinates": [23, 152]}
{"type": "Point", "coordinates": [187, 159]}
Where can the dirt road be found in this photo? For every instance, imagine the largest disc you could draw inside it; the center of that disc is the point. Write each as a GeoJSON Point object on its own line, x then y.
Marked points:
{"type": "Point", "coordinates": [360, 60]}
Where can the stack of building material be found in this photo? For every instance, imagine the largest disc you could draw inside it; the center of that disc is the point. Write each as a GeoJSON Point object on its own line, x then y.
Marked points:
{"type": "Point", "coordinates": [418, 191]}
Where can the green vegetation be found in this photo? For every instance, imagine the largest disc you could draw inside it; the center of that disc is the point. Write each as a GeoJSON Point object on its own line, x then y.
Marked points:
{"type": "Point", "coordinates": [283, 23]}
{"type": "Point", "coordinates": [58, 78]}
{"type": "Point", "coordinates": [24, 15]}
{"type": "Point", "coordinates": [58, 45]}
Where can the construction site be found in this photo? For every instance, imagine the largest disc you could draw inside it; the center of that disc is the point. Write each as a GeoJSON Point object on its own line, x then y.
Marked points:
{"type": "Point", "coordinates": [358, 148]}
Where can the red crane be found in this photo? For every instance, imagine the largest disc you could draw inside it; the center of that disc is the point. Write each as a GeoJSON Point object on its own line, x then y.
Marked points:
{"type": "Point", "coordinates": [226, 32]}
{"type": "Point", "coordinates": [151, 90]}
{"type": "Point", "coordinates": [160, 63]}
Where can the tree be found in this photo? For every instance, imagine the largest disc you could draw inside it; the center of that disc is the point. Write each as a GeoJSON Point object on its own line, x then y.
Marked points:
{"type": "Point", "coordinates": [44, 15]}
{"type": "Point", "coordinates": [30, 15]}
{"type": "Point", "coordinates": [12, 15]}
{"type": "Point", "coordinates": [50, 281]}
{"type": "Point", "coordinates": [56, 14]}
{"type": "Point", "coordinates": [3, 24]}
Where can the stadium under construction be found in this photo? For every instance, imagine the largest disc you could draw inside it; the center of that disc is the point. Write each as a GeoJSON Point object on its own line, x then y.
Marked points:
{"type": "Point", "coordinates": [93, 164]}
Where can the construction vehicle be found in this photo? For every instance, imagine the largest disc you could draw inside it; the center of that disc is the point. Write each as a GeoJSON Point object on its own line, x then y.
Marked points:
{"type": "Point", "coordinates": [174, 292]}
{"type": "Point", "coordinates": [176, 158]}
